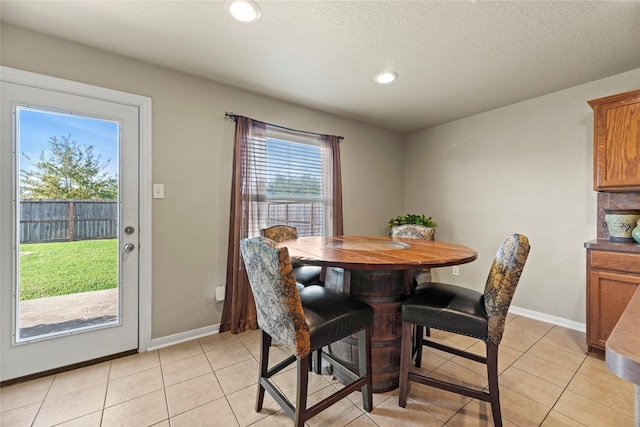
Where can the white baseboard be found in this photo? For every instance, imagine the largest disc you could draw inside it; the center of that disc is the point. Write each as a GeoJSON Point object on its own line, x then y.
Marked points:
{"type": "Point", "coordinates": [570, 324]}
{"type": "Point", "coordinates": [157, 343]}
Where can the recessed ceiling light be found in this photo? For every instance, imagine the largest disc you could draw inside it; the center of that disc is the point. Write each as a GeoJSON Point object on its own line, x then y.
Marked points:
{"type": "Point", "coordinates": [243, 10]}
{"type": "Point", "coordinates": [385, 77]}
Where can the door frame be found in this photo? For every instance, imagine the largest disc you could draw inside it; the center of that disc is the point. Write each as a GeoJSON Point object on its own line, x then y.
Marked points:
{"type": "Point", "coordinates": [143, 103]}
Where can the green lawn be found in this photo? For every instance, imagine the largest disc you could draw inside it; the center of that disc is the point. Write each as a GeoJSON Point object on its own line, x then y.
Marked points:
{"type": "Point", "coordinates": [51, 269]}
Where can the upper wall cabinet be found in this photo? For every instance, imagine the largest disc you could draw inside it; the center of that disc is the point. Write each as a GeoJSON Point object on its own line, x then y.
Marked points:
{"type": "Point", "coordinates": [616, 133]}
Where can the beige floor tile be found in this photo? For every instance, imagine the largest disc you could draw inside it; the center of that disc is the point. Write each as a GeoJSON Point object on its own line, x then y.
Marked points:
{"type": "Point", "coordinates": [243, 404]}
{"type": "Point", "coordinates": [217, 412]}
{"type": "Point", "coordinates": [185, 369]}
{"type": "Point", "coordinates": [454, 373]}
{"type": "Point", "coordinates": [531, 325]}
{"type": "Point", "coordinates": [92, 420]}
{"type": "Point", "coordinates": [390, 414]}
{"type": "Point", "coordinates": [164, 423]}
{"type": "Point", "coordinates": [570, 340]}
{"type": "Point", "coordinates": [362, 421]}
{"type": "Point", "coordinates": [133, 364]}
{"type": "Point", "coordinates": [70, 381]}
{"type": "Point", "coordinates": [180, 351]}
{"type": "Point", "coordinates": [278, 419]}
{"type": "Point", "coordinates": [227, 354]}
{"type": "Point", "coordinates": [134, 385]}
{"type": "Point", "coordinates": [440, 403]}
{"type": "Point", "coordinates": [19, 417]}
{"type": "Point", "coordinates": [553, 352]}
{"type": "Point", "coordinates": [531, 386]}
{"type": "Point", "coordinates": [604, 393]}
{"type": "Point", "coordinates": [518, 339]}
{"type": "Point", "coordinates": [544, 369]}
{"type": "Point", "coordinates": [474, 414]}
{"type": "Point", "coordinates": [520, 410]}
{"type": "Point", "coordinates": [556, 419]}
{"type": "Point", "coordinates": [238, 376]}
{"type": "Point", "coordinates": [142, 411]}
{"type": "Point", "coordinates": [71, 405]}
{"type": "Point", "coordinates": [340, 413]}
{"type": "Point", "coordinates": [189, 394]}
{"type": "Point", "coordinates": [596, 368]}
{"type": "Point", "coordinates": [453, 340]}
{"type": "Point", "coordinates": [251, 339]}
{"type": "Point", "coordinates": [432, 359]}
{"type": "Point", "coordinates": [287, 383]}
{"type": "Point", "coordinates": [215, 341]}
{"type": "Point", "coordinates": [22, 394]}
{"type": "Point", "coordinates": [589, 412]}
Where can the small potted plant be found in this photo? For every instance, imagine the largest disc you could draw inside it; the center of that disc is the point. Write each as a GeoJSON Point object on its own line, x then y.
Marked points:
{"type": "Point", "coordinates": [422, 227]}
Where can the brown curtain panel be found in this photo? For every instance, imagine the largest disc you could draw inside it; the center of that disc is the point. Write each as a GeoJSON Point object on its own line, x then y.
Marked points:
{"type": "Point", "coordinates": [239, 312]}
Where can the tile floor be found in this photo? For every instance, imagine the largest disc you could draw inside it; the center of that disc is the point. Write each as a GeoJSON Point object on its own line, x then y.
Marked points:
{"type": "Point", "coordinates": [545, 380]}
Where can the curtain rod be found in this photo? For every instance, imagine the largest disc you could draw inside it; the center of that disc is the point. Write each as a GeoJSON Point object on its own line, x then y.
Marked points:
{"type": "Point", "coordinates": [232, 116]}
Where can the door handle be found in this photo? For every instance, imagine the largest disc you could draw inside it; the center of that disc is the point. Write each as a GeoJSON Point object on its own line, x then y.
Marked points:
{"type": "Point", "coordinates": [129, 247]}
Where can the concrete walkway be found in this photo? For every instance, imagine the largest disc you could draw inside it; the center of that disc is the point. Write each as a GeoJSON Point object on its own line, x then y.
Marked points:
{"type": "Point", "coordinates": [67, 312]}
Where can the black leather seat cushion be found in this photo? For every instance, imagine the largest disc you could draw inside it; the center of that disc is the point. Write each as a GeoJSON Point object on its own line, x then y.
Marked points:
{"type": "Point", "coordinates": [331, 315]}
{"type": "Point", "coordinates": [447, 307]}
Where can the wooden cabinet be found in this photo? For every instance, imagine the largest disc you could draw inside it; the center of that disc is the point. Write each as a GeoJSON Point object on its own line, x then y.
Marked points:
{"type": "Point", "coordinates": [616, 135]}
{"type": "Point", "coordinates": [612, 279]}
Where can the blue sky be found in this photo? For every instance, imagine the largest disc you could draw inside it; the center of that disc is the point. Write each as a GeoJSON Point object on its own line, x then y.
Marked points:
{"type": "Point", "coordinates": [36, 127]}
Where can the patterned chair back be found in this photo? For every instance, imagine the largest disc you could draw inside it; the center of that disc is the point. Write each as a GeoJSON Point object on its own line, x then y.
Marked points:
{"type": "Point", "coordinates": [502, 282]}
{"type": "Point", "coordinates": [412, 231]}
{"type": "Point", "coordinates": [279, 233]}
{"type": "Point", "coordinates": [278, 305]}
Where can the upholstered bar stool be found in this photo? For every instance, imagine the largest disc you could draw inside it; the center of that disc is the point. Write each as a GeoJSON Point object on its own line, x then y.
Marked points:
{"type": "Point", "coordinates": [466, 312]}
{"type": "Point", "coordinates": [305, 274]}
{"type": "Point", "coordinates": [303, 320]}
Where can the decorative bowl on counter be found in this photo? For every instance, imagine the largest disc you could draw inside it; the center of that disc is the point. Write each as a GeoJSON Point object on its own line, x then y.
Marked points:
{"type": "Point", "coordinates": [620, 223]}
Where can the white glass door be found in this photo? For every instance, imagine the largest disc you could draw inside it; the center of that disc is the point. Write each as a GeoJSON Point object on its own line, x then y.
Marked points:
{"type": "Point", "coordinates": [70, 225]}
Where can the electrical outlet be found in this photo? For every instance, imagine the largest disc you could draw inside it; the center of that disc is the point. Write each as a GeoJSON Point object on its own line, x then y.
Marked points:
{"type": "Point", "coordinates": [456, 270]}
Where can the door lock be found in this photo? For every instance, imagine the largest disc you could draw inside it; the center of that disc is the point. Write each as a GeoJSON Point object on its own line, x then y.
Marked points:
{"type": "Point", "coordinates": [129, 247]}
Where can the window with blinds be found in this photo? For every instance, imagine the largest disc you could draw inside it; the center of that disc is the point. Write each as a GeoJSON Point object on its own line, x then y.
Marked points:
{"type": "Point", "coordinates": [290, 172]}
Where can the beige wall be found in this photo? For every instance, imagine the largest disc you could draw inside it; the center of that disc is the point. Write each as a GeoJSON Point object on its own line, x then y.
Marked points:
{"type": "Point", "coordinates": [192, 154]}
{"type": "Point", "coordinates": [524, 168]}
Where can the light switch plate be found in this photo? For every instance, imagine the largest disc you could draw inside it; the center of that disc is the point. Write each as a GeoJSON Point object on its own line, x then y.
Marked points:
{"type": "Point", "coordinates": [158, 191]}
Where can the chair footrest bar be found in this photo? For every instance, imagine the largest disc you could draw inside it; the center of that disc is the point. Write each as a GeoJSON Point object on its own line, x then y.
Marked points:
{"type": "Point", "coordinates": [454, 388]}
{"type": "Point", "coordinates": [456, 351]}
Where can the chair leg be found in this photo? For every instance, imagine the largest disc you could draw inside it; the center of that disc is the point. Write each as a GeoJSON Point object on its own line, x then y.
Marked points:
{"type": "Point", "coordinates": [405, 361]}
{"type": "Point", "coordinates": [418, 341]}
{"type": "Point", "coordinates": [317, 361]}
{"type": "Point", "coordinates": [492, 375]}
{"type": "Point", "coordinates": [265, 343]}
{"type": "Point", "coordinates": [364, 367]}
{"type": "Point", "coordinates": [303, 385]}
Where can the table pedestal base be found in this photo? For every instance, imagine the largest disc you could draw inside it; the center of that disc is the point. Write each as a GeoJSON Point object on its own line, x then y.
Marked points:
{"type": "Point", "coordinates": [384, 290]}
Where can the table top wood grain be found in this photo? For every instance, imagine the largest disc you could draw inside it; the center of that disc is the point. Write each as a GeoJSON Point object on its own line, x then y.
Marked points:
{"type": "Point", "coordinates": [377, 253]}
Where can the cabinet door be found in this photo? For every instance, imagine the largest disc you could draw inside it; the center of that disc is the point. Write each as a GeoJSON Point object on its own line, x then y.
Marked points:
{"type": "Point", "coordinates": [617, 142]}
{"type": "Point", "coordinates": [609, 294]}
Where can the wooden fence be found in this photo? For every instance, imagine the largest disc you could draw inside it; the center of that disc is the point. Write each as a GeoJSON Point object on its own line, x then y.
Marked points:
{"type": "Point", "coordinates": [67, 220]}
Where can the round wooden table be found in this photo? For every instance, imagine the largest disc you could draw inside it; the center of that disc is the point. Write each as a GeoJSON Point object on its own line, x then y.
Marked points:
{"type": "Point", "coordinates": [378, 271]}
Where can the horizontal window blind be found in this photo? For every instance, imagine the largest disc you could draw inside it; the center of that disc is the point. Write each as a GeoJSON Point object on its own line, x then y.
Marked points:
{"type": "Point", "coordinates": [288, 169]}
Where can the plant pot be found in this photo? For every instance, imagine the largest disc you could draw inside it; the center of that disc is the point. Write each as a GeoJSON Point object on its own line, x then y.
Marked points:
{"type": "Point", "coordinates": [620, 223]}
{"type": "Point", "coordinates": [413, 231]}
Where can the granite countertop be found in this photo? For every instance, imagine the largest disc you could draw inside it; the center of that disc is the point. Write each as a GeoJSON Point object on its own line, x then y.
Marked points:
{"type": "Point", "coordinates": [607, 245]}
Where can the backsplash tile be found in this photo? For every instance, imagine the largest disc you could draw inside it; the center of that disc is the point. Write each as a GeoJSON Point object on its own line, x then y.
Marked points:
{"type": "Point", "coordinates": [606, 200]}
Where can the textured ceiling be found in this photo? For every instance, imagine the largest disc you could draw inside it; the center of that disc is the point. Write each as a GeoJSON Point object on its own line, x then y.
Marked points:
{"type": "Point", "coordinates": [454, 59]}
